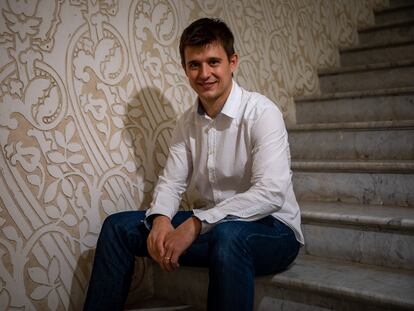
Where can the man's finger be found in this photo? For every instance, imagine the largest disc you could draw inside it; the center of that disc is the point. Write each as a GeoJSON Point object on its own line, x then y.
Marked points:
{"type": "Point", "coordinates": [160, 247]}
{"type": "Point", "coordinates": [174, 262]}
{"type": "Point", "coordinates": [165, 264]}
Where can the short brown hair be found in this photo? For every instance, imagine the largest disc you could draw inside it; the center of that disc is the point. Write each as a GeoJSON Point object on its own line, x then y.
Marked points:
{"type": "Point", "coordinates": [205, 31]}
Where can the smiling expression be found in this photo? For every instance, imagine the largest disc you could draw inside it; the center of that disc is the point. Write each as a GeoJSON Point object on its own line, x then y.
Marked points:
{"type": "Point", "coordinates": [209, 72]}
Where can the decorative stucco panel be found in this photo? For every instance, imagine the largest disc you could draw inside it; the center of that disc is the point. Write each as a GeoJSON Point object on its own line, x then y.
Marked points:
{"type": "Point", "coordinates": [89, 91]}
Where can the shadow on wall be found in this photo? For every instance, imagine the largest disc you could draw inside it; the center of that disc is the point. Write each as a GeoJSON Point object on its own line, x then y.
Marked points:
{"type": "Point", "coordinates": [148, 126]}
{"type": "Point", "coordinates": [152, 129]}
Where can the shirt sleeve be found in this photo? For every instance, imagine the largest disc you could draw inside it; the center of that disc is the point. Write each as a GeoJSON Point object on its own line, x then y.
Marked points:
{"type": "Point", "coordinates": [271, 174]}
{"type": "Point", "coordinates": [174, 179]}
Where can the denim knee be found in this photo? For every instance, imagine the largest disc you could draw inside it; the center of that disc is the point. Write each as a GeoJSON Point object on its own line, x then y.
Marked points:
{"type": "Point", "coordinates": [112, 223]}
{"type": "Point", "coordinates": [124, 219]}
{"type": "Point", "coordinates": [124, 230]}
{"type": "Point", "coordinates": [226, 245]}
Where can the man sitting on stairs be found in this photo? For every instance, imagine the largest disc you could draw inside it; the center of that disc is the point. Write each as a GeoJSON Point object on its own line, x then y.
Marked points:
{"type": "Point", "coordinates": [232, 145]}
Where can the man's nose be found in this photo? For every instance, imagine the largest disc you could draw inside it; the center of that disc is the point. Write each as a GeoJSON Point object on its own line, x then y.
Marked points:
{"type": "Point", "coordinates": [204, 71]}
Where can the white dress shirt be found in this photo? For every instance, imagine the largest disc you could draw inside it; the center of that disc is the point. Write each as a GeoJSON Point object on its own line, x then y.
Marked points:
{"type": "Point", "coordinates": [239, 163]}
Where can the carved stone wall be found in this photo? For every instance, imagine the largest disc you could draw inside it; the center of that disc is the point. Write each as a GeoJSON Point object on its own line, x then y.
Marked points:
{"type": "Point", "coordinates": [89, 91]}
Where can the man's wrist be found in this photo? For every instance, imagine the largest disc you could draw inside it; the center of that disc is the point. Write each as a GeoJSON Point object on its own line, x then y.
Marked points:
{"type": "Point", "coordinates": [158, 218]}
{"type": "Point", "coordinates": [197, 225]}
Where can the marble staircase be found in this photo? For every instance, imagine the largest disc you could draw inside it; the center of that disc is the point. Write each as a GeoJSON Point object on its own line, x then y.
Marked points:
{"type": "Point", "coordinates": [353, 163]}
{"type": "Point", "coordinates": [353, 152]}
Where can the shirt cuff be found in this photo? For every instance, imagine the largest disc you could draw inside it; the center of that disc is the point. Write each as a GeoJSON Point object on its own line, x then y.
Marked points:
{"type": "Point", "coordinates": [164, 204]}
{"type": "Point", "coordinates": [159, 210]}
{"type": "Point", "coordinates": [149, 219]}
{"type": "Point", "coordinates": [205, 226]}
{"type": "Point", "coordinates": [209, 216]}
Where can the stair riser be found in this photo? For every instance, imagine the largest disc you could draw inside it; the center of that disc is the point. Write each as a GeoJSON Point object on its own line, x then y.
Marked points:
{"type": "Point", "coordinates": [375, 108]}
{"type": "Point", "coordinates": [271, 298]}
{"type": "Point", "coordinates": [362, 245]}
{"type": "Point", "coordinates": [268, 297]}
{"type": "Point", "coordinates": [400, 3]}
{"type": "Point", "coordinates": [389, 17]}
{"type": "Point", "coordinates": [186, 285]}
{"type": "Point", "coordinates": [377, 55]}
{"type": "Point", "coordinates": [360, 188]}
{"type": "Point", "coordinates": [387, 35]}
{"type": "Point", "coordinates": [352, 144]}
{"type": "Point", "coordinates": [367, 80]}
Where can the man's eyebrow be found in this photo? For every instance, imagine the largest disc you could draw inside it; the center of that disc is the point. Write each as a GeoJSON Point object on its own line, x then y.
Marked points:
{"type": "Point", "coordinates": [194, 61]}
{"type": "Point", "coordinates": [214, 58]}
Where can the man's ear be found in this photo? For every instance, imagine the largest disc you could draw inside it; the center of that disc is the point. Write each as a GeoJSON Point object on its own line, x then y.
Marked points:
{"type": "Point", "coordinates": [234, 61]}
{"type": "Point", "coordinates": [183, 65]}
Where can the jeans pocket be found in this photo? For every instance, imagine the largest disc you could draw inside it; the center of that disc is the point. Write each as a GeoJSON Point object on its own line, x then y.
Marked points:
{"type": "Point", "coordinates": [281, 228]}
{"type": "Point", "coordinates": [269, 221]}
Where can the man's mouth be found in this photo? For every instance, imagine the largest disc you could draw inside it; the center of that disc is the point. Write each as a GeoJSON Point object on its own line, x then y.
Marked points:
{"type": "Point", "coordinates": [207, 85]}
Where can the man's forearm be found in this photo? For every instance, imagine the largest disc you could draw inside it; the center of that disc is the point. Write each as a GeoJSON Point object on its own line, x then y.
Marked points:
{"type": "Point", "coordinates": [159, 218]}
{"type": "Point", "coordinates": [194, 226]}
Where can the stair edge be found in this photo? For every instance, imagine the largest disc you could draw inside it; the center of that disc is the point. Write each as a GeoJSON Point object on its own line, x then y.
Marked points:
{"type": "Point", "coordinates": [377, 216]}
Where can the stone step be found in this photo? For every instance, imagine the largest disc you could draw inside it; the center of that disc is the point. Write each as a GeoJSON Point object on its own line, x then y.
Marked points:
{"type": "Point", "coordinates": [351, 286]}
{"type": "Point", "coordinates": [400, 3]}
{"type": "Point", "coordinates": [388, 140]}
{"type": "Point", "coordinates": [378, 53]}
{"type": "Point", "coordinates": [394, 167]}
{"type": "Point", "coordinates": [311, 283]}
{"type": "Point", "coordinates": [161, 304]}
{"type": "Point", "coordinates": [376, 105]}
{"type": "Point", "coordinates": [355, 187]}
{"type": "Point", "coordinates": [391, 15]}
{"type": "Point", "coordinates": [377, 235]}
{"type": "Point", "coordinates": [396, 32]}
{"type": "Point", "coordinates": [367, 77]}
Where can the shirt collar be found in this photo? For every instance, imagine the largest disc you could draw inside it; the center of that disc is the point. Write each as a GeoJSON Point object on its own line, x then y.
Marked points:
{"type": "Point", "coordinates": [231, 106]}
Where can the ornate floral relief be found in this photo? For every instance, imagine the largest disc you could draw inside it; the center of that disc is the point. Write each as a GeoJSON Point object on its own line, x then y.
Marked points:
{"type": "Point", "coordinates": [319, 37]}
{"type": "Point", "coordinates": [365, 16]}
{"type": "Point", "coordinates": [32, 97]}
{"type": "Point", "coordinates": [211, 7]}
{"type": "Point", "coordinates": [154, 28]}
{"type": "Point", "coordinates": [346, 27]}
{"type": "Point", "coordinates": [329, 57]}
{"type": "Point", "coordinates": [379, 4]}
{"type": "Point", "coordinates": [41, 99]}
{"type": "Point", "coordinates": [273, 45]}
{"type": "Point", "coordinates": [29, 86]}
{"type": "Point", "coordinates": [87, 138]}
{"type": "Point", "coordinates": [250, 22]}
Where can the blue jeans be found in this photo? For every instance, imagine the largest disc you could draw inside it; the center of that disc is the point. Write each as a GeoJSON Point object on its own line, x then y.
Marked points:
{"type": "Point", "coordinates": [233, 251]}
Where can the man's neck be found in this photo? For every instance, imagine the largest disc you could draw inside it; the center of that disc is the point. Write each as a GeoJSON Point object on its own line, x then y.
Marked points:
{"type": "Point", "coordinates": [212, 110]}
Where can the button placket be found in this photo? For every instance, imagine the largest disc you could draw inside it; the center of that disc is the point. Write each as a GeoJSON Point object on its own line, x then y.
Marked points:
{"type": "Point", "coordinates": [211, 157]}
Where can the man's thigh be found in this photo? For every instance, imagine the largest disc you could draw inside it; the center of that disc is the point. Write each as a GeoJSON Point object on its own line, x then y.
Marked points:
{"type": "Point", "coordinates": [270, 244]}
{"type": "Point", "coordinates": [273, 246]}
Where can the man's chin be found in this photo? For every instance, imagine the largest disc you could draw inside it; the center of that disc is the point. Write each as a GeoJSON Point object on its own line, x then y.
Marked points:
{"type": "Point", "coordinates": [207, 96]}
{"type": "Point", "coordinates": [206, 93]}
{"type": "Point", "coordinates": [207, 90]}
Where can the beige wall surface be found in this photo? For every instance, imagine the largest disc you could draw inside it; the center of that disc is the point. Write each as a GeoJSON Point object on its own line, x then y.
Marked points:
{"type": "Point", "coordinates": [89, 91]}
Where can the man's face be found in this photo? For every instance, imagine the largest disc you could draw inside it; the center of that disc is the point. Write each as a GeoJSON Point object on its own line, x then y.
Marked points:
{"type": "Point", "coordinates": [209, 72]}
